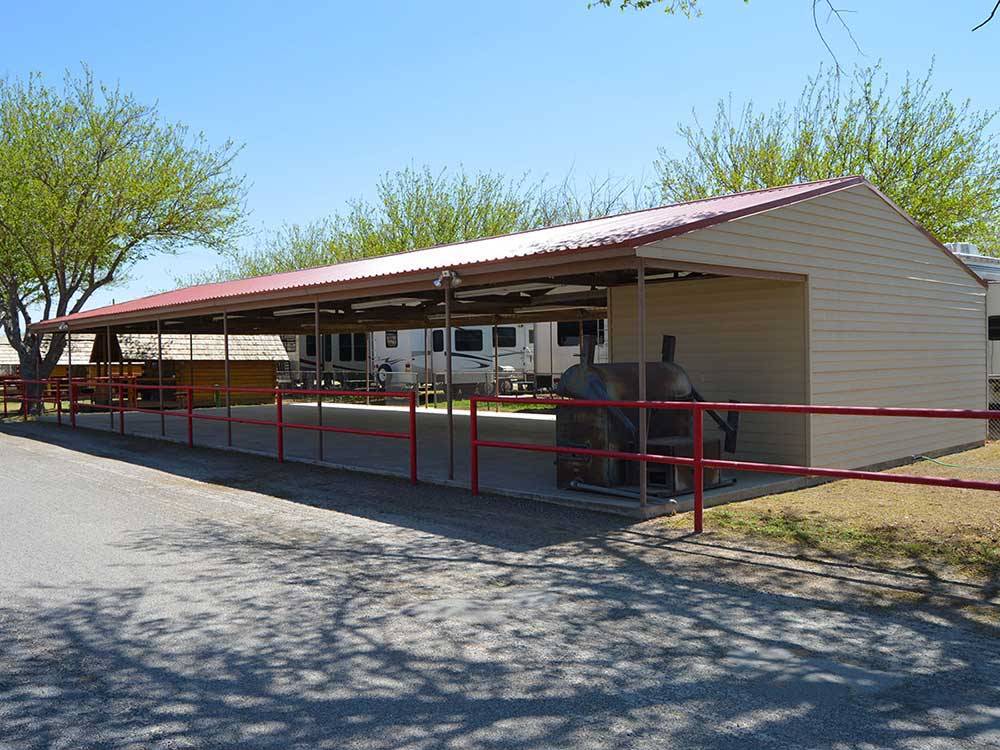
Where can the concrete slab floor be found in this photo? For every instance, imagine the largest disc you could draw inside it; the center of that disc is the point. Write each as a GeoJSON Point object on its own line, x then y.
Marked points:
{"type": "Point", "coordinates": [522, 474]}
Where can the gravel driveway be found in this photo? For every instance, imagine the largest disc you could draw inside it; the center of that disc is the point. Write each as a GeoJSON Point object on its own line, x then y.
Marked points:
{"type": "Point", "coordinates": [152, 596]}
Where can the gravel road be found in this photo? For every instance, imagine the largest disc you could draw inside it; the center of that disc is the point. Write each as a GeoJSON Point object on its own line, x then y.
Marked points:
{"type": "Point", "coordinates": [156, 597]}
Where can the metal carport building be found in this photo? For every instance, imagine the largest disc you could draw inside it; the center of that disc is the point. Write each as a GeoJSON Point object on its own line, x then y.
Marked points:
{"type": "Point", "coordinates": [822, 293]}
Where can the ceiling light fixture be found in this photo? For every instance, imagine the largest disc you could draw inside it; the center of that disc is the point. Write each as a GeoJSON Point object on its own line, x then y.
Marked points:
{"type": "Point", "coordinates": [447, 278]}
{"type": "Point", "coordinates": [292, 311]}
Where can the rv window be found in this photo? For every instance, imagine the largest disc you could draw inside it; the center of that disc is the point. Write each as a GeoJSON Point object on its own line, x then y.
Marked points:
{"type": "Point", "coordinates": [468, 340]}
{"type": "Point", "coordinates": [437, 341]}
{"type": "Point", "coordinates": [568, 333]}
{"type": "Point", "coordinates": [360, 341]}
{"type": "Point", "coordinates": [506, 337]}
{"type": "Point", "coordinates": [344, 347]}
{"type": "Point", "coordinates": [994, 328]}
{"type": "Point", "coordinates": [391, 339]}
{"type": "Point", "coordinates": [310, 346]}
{"type": "Point", "coordinates": [531, 336]}
{"type": "Point", "coordinates": [327, 347]}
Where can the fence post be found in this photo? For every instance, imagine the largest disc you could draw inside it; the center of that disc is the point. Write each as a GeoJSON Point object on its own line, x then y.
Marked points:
{"type": "Point", "coordinates": [473, 447]}
{"type": "Point", "coordinates": [72, 404]}
{"type": "Point", "coordinates": [24, 400]}
{"type": "Point", "coordinates": [280, 425]}
{"type": "Point", "coordinates": [190, 416]}
{"type": "Point", "coordinates": [699, 473]}
{"type": "Point", "coordinates": [413, 437]}
{"type": "Point", "coordinates": [58, 401]}
{"type": "Point", "coordinates": [5, 398]}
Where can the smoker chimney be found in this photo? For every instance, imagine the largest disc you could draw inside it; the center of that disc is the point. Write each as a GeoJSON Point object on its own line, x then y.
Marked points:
{"type": "Point", "coordinates": [587, 345]}
{"type": "Point", "coordinates": [668, 348]}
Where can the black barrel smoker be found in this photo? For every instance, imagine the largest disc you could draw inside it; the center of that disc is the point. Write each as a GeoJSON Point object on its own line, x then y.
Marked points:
{"type": "Point", "coordinates": [669, 431]}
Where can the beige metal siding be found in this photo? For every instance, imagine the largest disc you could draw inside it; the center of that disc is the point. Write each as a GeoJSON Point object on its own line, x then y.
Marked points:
{"type": "Point", "coordinates": [740, 339]}
{"type": "Point", "coordinates": [893, 320]}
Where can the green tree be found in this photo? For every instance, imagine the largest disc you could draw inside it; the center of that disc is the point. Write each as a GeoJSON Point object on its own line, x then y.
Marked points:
{"type": "Point", "coordinates": [92, 181]}
{"type": "Point", "coordinates": [419, 208]}
{"type": "Point", "coordinates": [687, 8]}
{"type": "Point", "coordinates": [937, 158]}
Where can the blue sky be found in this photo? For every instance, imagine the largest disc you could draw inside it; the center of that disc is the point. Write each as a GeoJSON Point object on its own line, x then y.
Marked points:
{"type": "Point", "coordinates": [325, 96]}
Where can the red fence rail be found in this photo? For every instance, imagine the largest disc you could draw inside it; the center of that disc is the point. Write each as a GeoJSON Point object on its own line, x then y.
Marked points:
{"type": "Point", "coordinates": [121, 397]}
{"type": "Point", "coordinates": [25, 392]}
{"type": "Point", "coordinates": [699, 463]}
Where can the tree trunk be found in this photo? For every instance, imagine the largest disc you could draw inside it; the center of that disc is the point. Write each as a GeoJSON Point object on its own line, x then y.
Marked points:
{"type": "Point", "coordinates": [36, 367]}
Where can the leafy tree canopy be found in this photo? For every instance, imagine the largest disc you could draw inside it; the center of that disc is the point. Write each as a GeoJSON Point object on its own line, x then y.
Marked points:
{"type": "Point", "coordinates": [92, 181]}
{"type": "Point", "coordinates": [936, 157]}
{"type": "Point", "coordinates": [417, 208]}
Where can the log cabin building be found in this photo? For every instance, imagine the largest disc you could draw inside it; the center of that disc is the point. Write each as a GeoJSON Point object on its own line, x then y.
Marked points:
{"type": "Point", "coordinates": [198, 361]}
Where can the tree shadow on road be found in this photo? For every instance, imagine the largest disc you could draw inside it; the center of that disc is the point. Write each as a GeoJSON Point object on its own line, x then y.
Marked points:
{"type": "Point", "coordinates": [504, 522]}
{"type": "Point", "coordinates": [284, 636]}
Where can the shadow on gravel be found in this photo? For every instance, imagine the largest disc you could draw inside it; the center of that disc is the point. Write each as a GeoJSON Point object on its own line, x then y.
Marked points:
{"type": "Point", "coordinates": [472, 624]}
{"type": "Point", "coordinates": [499, 522]}
{"type": "Point", "coordinates": [502, 522]}
{"type": "Point", "coordinates": [305, 639]}
{"type": "Point", "coordinates": [926, 584]}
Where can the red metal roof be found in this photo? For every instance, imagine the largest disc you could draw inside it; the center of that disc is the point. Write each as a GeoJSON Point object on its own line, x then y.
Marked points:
{"type": "Point", "coordinates": [623, 230]}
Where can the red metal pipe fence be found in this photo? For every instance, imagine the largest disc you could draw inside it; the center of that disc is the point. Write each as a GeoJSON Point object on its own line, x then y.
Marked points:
{"type": "Point", "coordinates": [19, 390]}
{"type": "Point", "coordinates": [121, 396]}
{"type": "Point", "coordinates": [699, 463]}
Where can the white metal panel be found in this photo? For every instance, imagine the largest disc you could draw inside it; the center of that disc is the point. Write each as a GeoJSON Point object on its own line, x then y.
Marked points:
{"type": "Point", "coordinates": [893, 320]}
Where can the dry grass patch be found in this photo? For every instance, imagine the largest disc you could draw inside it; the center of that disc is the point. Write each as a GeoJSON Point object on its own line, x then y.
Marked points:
{"type": "Point", "coordinates": [955, 527]}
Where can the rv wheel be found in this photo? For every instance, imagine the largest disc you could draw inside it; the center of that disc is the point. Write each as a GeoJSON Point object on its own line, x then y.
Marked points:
{"type": "Point", "coordinates": [382, 376]}
{"type": "Point", "coordinates": [506, 387]}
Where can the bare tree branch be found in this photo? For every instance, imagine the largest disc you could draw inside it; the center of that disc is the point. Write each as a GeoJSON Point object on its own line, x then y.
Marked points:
{"type": "Point", "coordinates": [992, 13]}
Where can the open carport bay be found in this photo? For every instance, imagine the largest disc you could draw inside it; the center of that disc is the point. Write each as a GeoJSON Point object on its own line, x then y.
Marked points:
{"type": "Point", "coordinates": [517, 473]}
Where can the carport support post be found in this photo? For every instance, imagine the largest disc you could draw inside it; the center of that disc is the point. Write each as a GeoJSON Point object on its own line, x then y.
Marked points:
{"type": "Point", "coordinates": [111, 411]}
{"type": "Point", "coordinates": [72, 391]}
{"type": "Point", "coordinates": [159, 376]}
{"type": "Point", "coordinates": [433, 393]}
{"type": "Point", "coordinates": [447, 375]}
{"type": "Point", "coordinates": [69, 375]}
{"type": "Point", "coordinates": [319, 381]}
{"type": "Point", "coordinates": [496, 364]}
{"type": "Point", "coordinates": [369, 339]}
{"type": "Point", "coordinates": [553, 332]}
{"type": "Point", "coordinates": [225, 364]}
{"type": "Point", "coordinates": [640, 289]}
{"type": "Point", "coordinates": [427, 394]}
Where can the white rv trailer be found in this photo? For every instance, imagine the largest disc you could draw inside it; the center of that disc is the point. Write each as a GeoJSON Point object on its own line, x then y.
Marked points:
{"type": "Point", "coordinates": [988, 269]}
{"type": "Point", "coordinates": [557, 347]}
{"type": "Point", "coordinates": [409, 358]}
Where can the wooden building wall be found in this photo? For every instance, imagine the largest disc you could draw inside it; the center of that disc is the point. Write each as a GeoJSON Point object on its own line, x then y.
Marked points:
{"type": "Point", "coordinates": [252, 374]}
